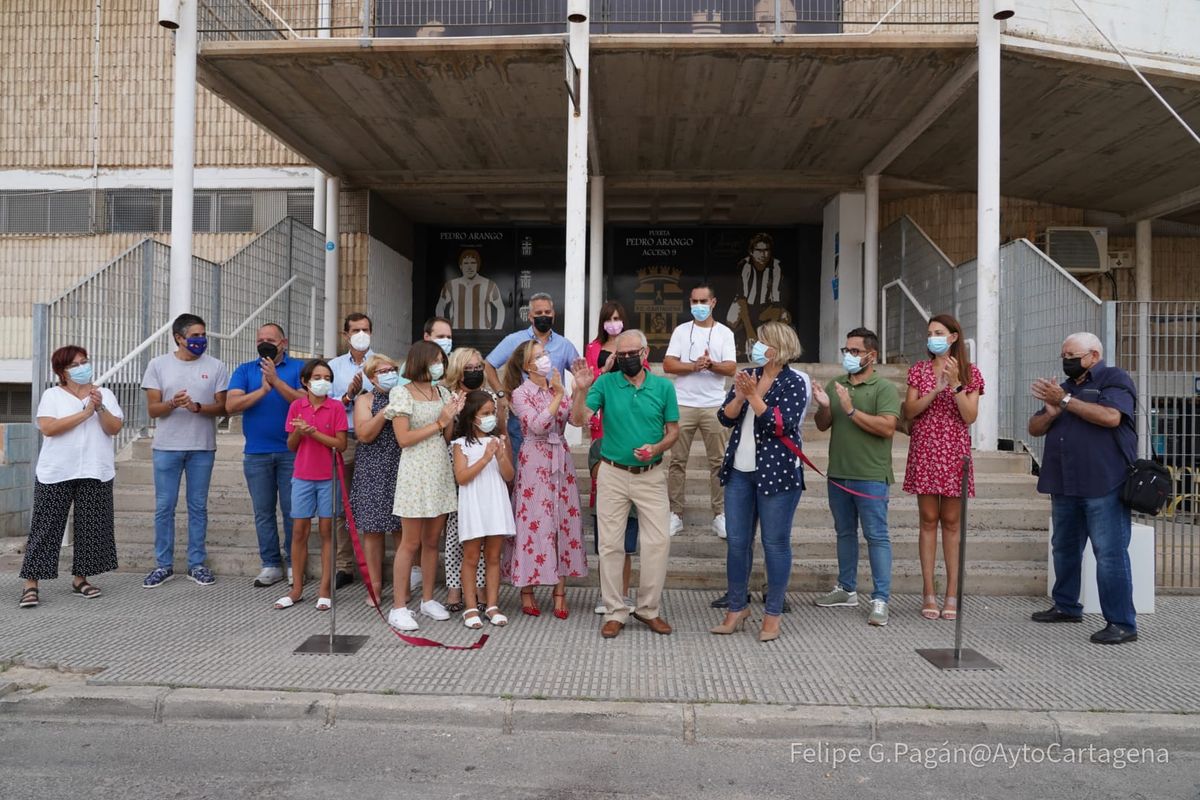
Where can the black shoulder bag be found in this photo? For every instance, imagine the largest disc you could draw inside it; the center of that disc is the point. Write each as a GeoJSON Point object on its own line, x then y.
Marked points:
{"type": "Point", "coordinates": [1147, 487]}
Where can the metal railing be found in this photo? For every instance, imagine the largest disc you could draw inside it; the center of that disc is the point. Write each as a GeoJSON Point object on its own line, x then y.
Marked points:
{"type": "Point", "coordinates": [119, 313]}
{"type": "Point", "coordinates": [1169, 419]}
{"type": "Point", "coordinates": [279, 19]}
{"type": "Point", "coordinates": [931, 284]}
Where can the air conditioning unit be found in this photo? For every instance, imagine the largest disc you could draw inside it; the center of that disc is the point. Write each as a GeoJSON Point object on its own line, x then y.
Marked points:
{"type": "Point", "coordinates": [1078, 250]}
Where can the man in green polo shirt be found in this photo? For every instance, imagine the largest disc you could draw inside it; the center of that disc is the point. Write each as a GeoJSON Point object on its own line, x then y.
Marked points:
{"type": "Point", "coordinates": [862, 408]}
{"type": "Point", "coordinates": [641, 422]}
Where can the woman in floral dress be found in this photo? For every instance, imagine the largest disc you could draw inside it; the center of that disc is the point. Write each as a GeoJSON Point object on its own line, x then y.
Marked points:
{"type": "Point", "coordinates": [548, 547]}
{"type": "Point", "coordinates": [942, 402]}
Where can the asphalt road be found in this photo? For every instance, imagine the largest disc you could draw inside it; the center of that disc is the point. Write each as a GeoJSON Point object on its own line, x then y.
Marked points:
{"type": "Point", "coordinates": [279, 761]}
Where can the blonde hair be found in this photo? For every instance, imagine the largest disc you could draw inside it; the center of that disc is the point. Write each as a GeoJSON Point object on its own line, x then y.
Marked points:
{"type": "Point", "coordinates": [376, 361]}
{"type": "Point", "coordinates": [459, 358]}
{"type": "Point", "coordinates": [783, 338]}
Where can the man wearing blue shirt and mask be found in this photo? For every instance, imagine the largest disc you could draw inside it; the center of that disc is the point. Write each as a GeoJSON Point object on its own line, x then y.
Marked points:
{"type": "Point", "coordinates": [261, 391]}
{"type": "Point", "coordinates": [1090, 442]}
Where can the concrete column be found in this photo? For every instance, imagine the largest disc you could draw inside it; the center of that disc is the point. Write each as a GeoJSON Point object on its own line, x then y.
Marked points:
{"type": "Point", "coordinates": [319, 192]}
{"type": "Point", "coordinates": [596, 255]}
{"type": "Point", "coordinates": [577, 179]}
{"type": "Point", "coordinates": [1142, 276]}
{"type": "Point", "coordinates": [324, 18]}
{"type": "Point", "coordinates": [871, 254]}
{"type": "Point", "coordinates": [987, 427]}
{"type": "Point", "coordinates": [183, 161]}
{"type": "Point", "coordinates": [332, 256]}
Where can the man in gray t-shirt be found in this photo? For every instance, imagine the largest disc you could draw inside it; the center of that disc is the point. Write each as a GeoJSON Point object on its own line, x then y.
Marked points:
{"type": "Point", "coordinates": [185, 392]}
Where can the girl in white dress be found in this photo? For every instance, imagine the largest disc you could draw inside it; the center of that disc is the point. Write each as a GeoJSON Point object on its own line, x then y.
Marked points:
{"type": "Point", "coordinates": [482, 467]}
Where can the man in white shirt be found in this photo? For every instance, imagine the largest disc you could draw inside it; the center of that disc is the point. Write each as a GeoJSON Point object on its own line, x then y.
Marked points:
{"type": "Point", "coordinates": [348, 382]}
{"type": "Point", "coordinates": [701, 355]}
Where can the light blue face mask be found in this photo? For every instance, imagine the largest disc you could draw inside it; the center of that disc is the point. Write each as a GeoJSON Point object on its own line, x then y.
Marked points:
{"type": "Point", "coordinates": [852, 364]}
{"type": "Point", "coordinates": [387, 380]}
{"type": "Point", "coordinates": [938, 344]}
{"type": "Point", "coordinates": [758, 353]}
{"type": "Point", "coordinates": [436, 371]}
{"type": "Point", "coordinates": [701, 312]}
{"type": "Point", "coordinates": [446, 344]}
{"type": "Point", "coordinates": [81, 374]}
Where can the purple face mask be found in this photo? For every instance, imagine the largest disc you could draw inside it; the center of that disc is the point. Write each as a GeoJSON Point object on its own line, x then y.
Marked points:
{"type": "Point", "coordinates": [614, 327]}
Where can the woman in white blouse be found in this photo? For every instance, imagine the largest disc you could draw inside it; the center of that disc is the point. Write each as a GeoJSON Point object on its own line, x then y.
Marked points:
{"type": "Point", "coordinates": [75, 468]}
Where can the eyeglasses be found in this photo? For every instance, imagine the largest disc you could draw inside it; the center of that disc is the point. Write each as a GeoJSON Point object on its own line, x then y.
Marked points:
{"type": "Point", "coordinates": [629, 353]}
{"type": "Point", "coordinates": [472, 369]}
{"type": "Point", "coordinates": [853, 351]}
{"type": "Point", "coordinates": [384, 371]}
{"type": "Point", "coordinates": [1074, 355]}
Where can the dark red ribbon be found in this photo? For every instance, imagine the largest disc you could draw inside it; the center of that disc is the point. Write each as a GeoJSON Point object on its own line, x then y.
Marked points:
{"type": "Point", "coordinates": [352, 528]}
{"type": "Point", "coordinates": [795, 448]}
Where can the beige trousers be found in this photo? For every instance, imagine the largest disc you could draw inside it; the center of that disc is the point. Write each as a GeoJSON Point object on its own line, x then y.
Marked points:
{"type": "Point", "coordinates": [616, 490]}
{"type": "Point", "coordinates": [715, 436]}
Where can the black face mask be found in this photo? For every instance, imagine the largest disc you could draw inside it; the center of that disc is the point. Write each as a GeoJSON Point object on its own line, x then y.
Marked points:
{"type": "Point", "coordinates": [472, 378]}
{"type": "Point", "coordinates": [267, 350]}
{"type": "Point", "coordinates": [630, 365]}
{"type": "Point", "coordinates": [602, 359]}
{"type": "Point", "coordinates": [543, 324]}
{"type": "Point", "coordinates": [1073, 367]}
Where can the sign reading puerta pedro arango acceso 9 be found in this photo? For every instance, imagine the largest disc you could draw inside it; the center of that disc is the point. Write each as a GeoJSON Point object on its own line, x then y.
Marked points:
{"type": "Point", "coordinates": [758, 274]}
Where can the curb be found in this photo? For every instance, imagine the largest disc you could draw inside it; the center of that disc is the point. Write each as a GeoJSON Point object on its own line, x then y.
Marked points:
{"type": "Point", "coordinates": [687, 722]}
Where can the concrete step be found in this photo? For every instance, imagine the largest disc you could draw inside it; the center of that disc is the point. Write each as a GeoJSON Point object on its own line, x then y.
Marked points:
{"type": "Point", "coordinates": [814, 514]}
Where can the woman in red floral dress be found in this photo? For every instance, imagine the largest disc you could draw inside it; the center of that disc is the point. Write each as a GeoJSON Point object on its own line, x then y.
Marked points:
{"type": "Point", "coordinates": [942, 402]}
{"type": "Point", "coordinates": [548, 547]}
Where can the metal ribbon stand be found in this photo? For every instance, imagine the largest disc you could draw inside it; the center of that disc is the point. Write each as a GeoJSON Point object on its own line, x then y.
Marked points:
{"type": "Point", "coordinates": [957, 657]}
{"type": "Point", "coordinates": [333, 644]}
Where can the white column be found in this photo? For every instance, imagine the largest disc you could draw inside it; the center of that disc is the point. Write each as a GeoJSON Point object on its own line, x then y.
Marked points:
{"type": "Point", "coordinates": [183, 161]}
{"type": "Point", "coordinates": [319, 192]}
{"type": "Point", "coordinates": [1145, 294]}
{"type": "Point", "coordinates": [577, 178]}
{"type": "Point", "coordinates": [332, 256]}
{"type": "Point", "coordinates": [324, 18]}
{"type": "Point", "coordinates": [987, 426]}
{"type": "Point", "coordinates": [596, 255]}
{"type": "Point", "coordinates": [871, 254]}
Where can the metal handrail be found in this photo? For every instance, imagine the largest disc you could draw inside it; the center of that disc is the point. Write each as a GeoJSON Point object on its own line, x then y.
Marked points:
{"type": "Point", "coordinates": [924, 312]}
{"type": "Point", "coordinates": [253, 314]}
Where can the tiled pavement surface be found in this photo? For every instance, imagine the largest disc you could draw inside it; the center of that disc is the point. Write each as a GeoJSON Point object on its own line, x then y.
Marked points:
{"type": "Point", "coordinates": [228, 636]}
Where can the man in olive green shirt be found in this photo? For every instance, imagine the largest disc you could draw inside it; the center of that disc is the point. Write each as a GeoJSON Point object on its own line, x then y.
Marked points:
{"type": "Point", "coordinates": [862, 408]}
{"type": "Point", "coordinates": [641, 422]}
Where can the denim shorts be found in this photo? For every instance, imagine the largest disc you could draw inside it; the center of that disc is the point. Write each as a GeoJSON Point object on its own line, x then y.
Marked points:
{"type": "Point", "coordinates": [311, 499]}
{"type": "Point", "coordinates": [631, 535]}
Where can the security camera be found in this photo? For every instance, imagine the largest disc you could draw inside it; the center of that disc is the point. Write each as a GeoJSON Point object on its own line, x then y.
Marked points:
{"type": "Point", "coordinates": [168, 14]}
{"type": "Point", "coordinates": [577, 10]}
{"type": "Point", "coordinates": [1004, 9]}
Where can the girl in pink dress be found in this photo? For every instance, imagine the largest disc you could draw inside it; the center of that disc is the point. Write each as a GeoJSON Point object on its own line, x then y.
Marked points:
{"type": "Point", "coordinates": [548, 547]}
{"type": "Point", "coordinates": [942, 402]}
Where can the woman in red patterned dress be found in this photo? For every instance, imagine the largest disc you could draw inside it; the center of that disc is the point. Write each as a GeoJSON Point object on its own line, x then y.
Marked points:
{"type": "Point", "coordinates": [942, 402]}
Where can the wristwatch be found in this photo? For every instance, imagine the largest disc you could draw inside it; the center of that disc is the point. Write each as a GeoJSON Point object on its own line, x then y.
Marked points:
{"type": "Point", "coordinates": [1063, 403]}
{"type": "Point", "coordinates": [501, 395]}
{"type": "Point", "coordinates": [851, 413]}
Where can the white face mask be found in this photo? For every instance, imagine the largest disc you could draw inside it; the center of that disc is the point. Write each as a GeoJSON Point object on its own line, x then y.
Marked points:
{"type": "Point", "coordinates": [487, 423]}
{"type": "Point", "coordinates": [361, 341]}
{"type": "Point", "coordinates": [542, 365]}
{"type": "Point", "coordinates": [320, 387]}
{"type": "Point", "coordinates": [436, 371]}
{"type": "Point", "coordinates": [446, 344]}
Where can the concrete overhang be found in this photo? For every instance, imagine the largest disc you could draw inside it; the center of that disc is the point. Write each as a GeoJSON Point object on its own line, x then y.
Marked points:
{"type": "Point", "coordinates": [698, 128]}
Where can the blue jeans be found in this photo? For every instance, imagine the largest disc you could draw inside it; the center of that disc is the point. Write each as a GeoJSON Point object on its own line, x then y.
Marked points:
{"type": "Point", "coordinates": [848, 511]}
{"type": "Point", "coordinates": [269, 479]}
{"type": "Point", "coordinates": [1105, 520]}
{"type": "Point", "coordinates": [515, 437]}
{"type": "Point", "coordinates": [746, 506]}
{"type": "Point", "coordinates": [169, 467]}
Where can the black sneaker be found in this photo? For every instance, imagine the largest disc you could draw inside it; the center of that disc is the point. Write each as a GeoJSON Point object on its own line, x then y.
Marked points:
{"type": "Point", "coordinates": [1054, 615]}
{"type": "Point", "coordinates": [343, 579]}
{"type": "Point", "coordinates": [1114, 634]}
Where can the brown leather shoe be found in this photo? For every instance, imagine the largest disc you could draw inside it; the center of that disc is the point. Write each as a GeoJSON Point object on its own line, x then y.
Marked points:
{"type": "Point", "coordinates": [656, 624]}
{"type": "Point", "coordinates": [610, 629]}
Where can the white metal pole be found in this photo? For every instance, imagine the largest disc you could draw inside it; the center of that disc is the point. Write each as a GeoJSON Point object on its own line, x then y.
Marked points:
{"type": "Point", "coordinates": [1145, 294]}
{"type": "Point", "coordinates": [596, 254]}
{"type": "Point", "coordinates": [871, 254]}
{"type": "Point", "coordinates": [319, 192]}
{"type": "Point", "coordinates": [332, 256]}
{"type": "Point", "coordinates": [574, 290]}
{"type": "Point", "coordinates": [324, 18]}
{"type": "Point", "coordinates": [988, 221]}
{"type": "Point", "coordinates": [183, 161]}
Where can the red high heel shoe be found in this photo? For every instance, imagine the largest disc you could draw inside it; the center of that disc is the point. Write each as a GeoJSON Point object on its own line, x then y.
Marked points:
{"type": "Point", "coordinates": [561, 613]}
{"type": "Point", "coordinates": [528, 604]}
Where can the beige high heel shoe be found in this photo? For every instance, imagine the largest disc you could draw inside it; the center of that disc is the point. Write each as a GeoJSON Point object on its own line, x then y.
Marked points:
{"type": "Point", "coordinates": [739, 622]}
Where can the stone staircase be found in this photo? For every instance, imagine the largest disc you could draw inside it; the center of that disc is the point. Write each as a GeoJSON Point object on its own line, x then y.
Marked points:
{"type": "Point", "coordinates": [1006, 546]}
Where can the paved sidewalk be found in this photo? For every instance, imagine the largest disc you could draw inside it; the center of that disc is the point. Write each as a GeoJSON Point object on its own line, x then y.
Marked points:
{"type": "Point", "coordinates": [228, 636]}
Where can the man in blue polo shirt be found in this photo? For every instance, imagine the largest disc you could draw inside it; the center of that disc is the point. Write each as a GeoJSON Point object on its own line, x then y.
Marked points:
{"type": "Point", "coordinates": [541, 327]}
{"type": "Point", "coordinates": [1090, 441]}
{"type": "Point", "coordinates": [261, 392]}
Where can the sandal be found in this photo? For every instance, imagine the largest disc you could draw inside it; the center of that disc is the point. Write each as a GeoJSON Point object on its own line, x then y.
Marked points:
{"type": "Point", "coordinates": [454, 608]}
{"type": "Point", "coordinates": [930, 609]}
{"type": "Point", "coordinates": [528, 604]}
{"type": "Point", "coordinates": [286, 602]}
{"type": "Point", "coordinates": [951, 608]}
{"type": "Point", "coordinates": [496, 618]}
{"type": "Point", "coordinates": [85, 590]}
{"type": "Point", "coordinates": [29, 598]}
{"type": "Point", "coordinates": [324, 604]}
{"type": "Point", "coordinates": [471, 619]}
{"type": "Point", "coordinates": [561, 613]}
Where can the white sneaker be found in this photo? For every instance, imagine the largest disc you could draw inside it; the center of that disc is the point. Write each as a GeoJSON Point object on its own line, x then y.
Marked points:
{"type": "Point", "coordinates": [676, 523]}
{"type": "Point", "coordinates": [718, 526]}
{"type": "Point", "coordinates": [414, 579]}
{"type": "Point", "coordinates": [434, 610]}
{"type": "Point", "coordinates": [402, 620]}
{"type": "Point", "coordinates": [269, 576]}
{"type": "Point", "coordinates": [601, 608]}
